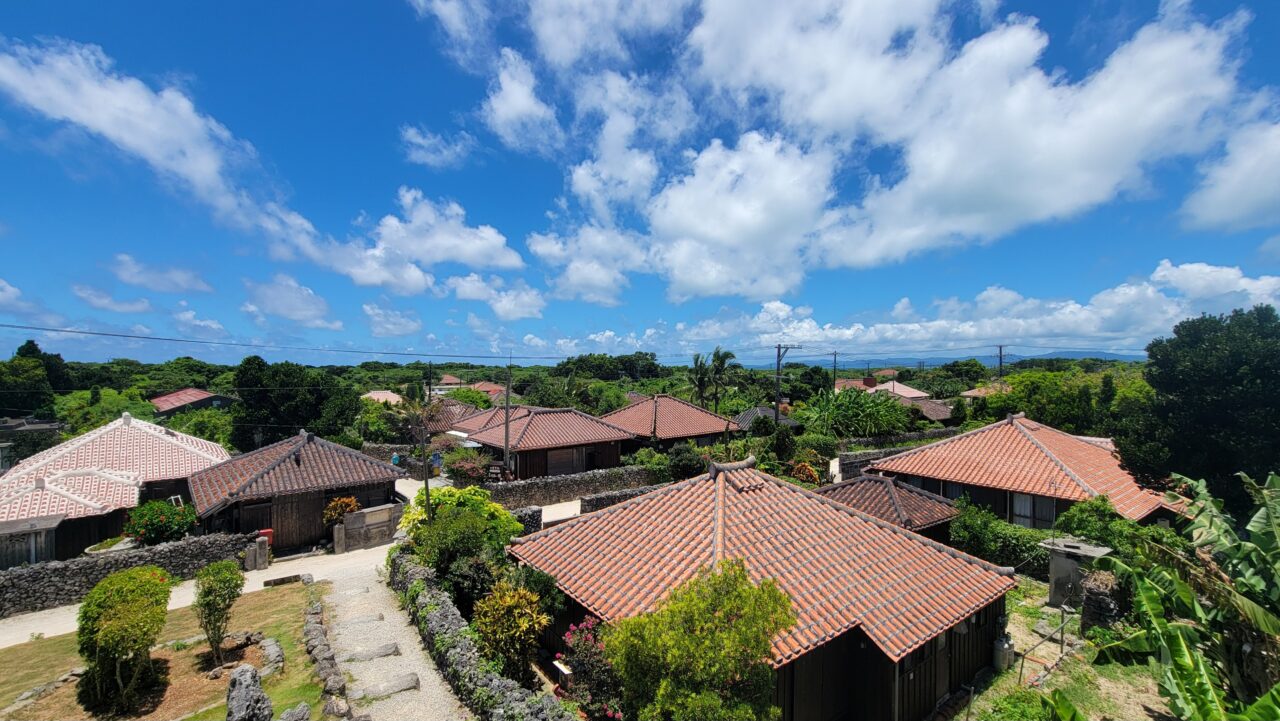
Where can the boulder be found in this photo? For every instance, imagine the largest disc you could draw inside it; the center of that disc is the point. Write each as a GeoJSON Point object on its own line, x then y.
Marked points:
{"type": "Point", "coordinates": [395, 684]}
{"type": "Point", "coordinates": [301, 712]}
{"type": "Point", "coordinates": [246, 700]}
{"type": "Point", "coordinates": [368, 654]}
{"type": "Point", "coordinates": [337, 706]}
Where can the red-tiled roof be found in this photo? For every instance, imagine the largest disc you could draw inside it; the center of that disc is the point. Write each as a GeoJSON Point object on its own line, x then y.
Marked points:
{"type": "Point", "coordinates": [899, 389]}
{"type": "Point", "coordinates": [668, 417]}
{"type": "Point", "coordinates": [988, 390]}
{"type": "Point", "coordinates": [488, 387]}
{"type": "Point", "coordinates": [929, 408]}
{"type": "Point", "coordinates": [843, 569]}
{"type": "Point", "coordinates": [298, 464]}
{"type": "Point", "coordinates": [449, 380]}
{"type": "Point", "coordinates": [887, 372]}
{"type": "Point", "coordinates": [177, 399]}
{"type": "Point", "coordinates": [384, 397]}
{"type": "Point", "coordinates": [551, 428]}
{"type": "Point", "coordinates": [480, 420]}
{"type": "Point", "coordinates": [451, 412]}
{"type": "Point", "coordinates": [71, 494]}
{"type": "Point", "coordinates": [899, 503]}
{"type": "Point", "coordinates": [847, 383]}
{"type": "Point", "coordinates": [1023, 456]}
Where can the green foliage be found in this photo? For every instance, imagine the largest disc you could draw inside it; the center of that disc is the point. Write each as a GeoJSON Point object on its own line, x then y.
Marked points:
{"type": "Point", "coordinates": [379, 423]}
{"type": "Point", "coordinates": [26, 388]}
{"type": "Point", "coordinates": [703, 654]}
{"type": "Point", "coordinates": [338, 508]}
{"type": "Point", "coordinates": [611, 368]}
{"type": "Point", "coordinates": [467, 466]}
{"type": "Point", "coordinates": [218, 586]}
{"type": "Point", "coordinates": [979, 532]}
{"type": "Point", "coordinates": [602, 398]}
{"type": "Point", "coordinates": [698, 379]}
{"type": "Point", "coordinates": [119, 621]}
{"type": "Point", "coordinates": [550, 598]}
{"type": "Point", "coordinates": [80, 416]}
{"type": "Point", "coordinates": [1096, 521]}
{"type": "Point", "coordinates": [1215, 405]}
{"type": "Point", "coordinates": [594, 685]}
{"type": "Point", "coordinates": [762, 426]}
{"type": "Point", "coordinates": [160, 522]}
{"type": "Point", "coordinates": [471, 397]}
{"type": "Point", "coordinates": [784, 443]}
{"type": "Point", "coordinates": [509, 621]}
{"type": "Point", "coordinates": [827, 447]}
{"type": "Point", "coordinates": [211, 424]}
{"type": "Point", "coordinates": [1021, 704]}
{"type": "Point", "coordinates": [658, 464]}
{"type": "Point", "coordinates": [685, 461]}
{"type": "Point", "coordinates": [279, 399]}
{"type": "Point", "coordinates": [854, 414]}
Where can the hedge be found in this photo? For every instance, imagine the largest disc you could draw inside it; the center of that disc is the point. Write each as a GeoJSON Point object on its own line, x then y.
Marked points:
{"type": "Point", "coordinates": [119, 622]}
{"type": "Point", "coordinates": [977, 531]}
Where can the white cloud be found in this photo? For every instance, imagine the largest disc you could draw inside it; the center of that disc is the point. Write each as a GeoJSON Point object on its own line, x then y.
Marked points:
{"type": "Point", "coordinates": [284, 297]}
{"type": "Point", "coordinates": [188, 322]}
{"type": "Point", "coordinates": [903, 310]}
{"type": "Point", "coordinates": [10, 297]}
{"type": "Point", "coordinates": [433, 150]}
{"type": "Point", "coordinates": [1270, 247]}
{"type": "Point", "coordinates": [103, 301]}
{"type": "Point", "coordinates": [514, 303]}
{"type": "Point", "coordinates": [428, 233]}
{"type": "Point", "coordinates": [13, 303]}
{"type": "Point", "coordinates": [386, 322]}
{"type": "Point", "coordinates": [1242, 189]}
{"type": "Point", "coordinates": [466, 24]}
{"type": "Point", "coordinates": [569, 30]}
{"type": "Point", "coordinates": [1201, 281]}
{"type": "Point", "coordinates": [513, 110]}
{"type": "Point", "coordinates": [164, 280]}
{"type": "Point", "coordinates": [534, 341]}
{"type": "Point", "coordinates": [593, 261]}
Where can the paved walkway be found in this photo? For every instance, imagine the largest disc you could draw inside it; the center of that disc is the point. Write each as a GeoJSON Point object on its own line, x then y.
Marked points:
{"type": "Point", "coordinates": [60, 620]}
{"type": "Point", "coordinates": [834, 468]}
{"type": "Point", "coordinates": [377, 646]}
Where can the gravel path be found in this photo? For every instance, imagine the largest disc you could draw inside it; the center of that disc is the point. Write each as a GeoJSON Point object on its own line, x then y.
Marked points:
{"type": "Point", "coordinates": [365, 615]}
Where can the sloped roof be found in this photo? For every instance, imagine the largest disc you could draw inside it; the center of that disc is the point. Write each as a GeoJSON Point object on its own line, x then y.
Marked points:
{"type": "Point", "coordinates": [480, 420]}
{"type": "Point", "coordinates": [898, 503]}
{"type": "Point", "coordinates": [988, 390]}
{"type": "Point", "coordinates": [298, 464]}
{"type": "Point", "coordinates": [929, 408]}
{"type": "Point", "coordinates": [668, 417]}
{"type": "Point", "coordinates": [843, 569]}
{"type": "Point", "coordinates": [898, 389]}
{"type": "Point", "coordinates": [887, 372]}
{"type": "Point", "coordinates": [488, 387]}
{"type": "Point", "coordinates": [450, 380]}
{"type": "Point", "coordinates": [451, 411]}
{"type": "Point", "coordinates": [1022, 456]}
{"type": "Point", "coordinates": [847, 383]}
{"type": "Point", "coordinates": [177, 399]}
{"type": "Point", "coordinates": [70, 494]}
{"type": "Point", "coordinates": [384, 397]}
{"type": "Point", "coordinates": [551, 428]}
{"type": "Point", "coordinates": [747, 417]}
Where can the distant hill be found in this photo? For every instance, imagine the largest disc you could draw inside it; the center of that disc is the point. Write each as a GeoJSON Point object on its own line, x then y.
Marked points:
{"type": "Point", "coordinates": [987, 360]}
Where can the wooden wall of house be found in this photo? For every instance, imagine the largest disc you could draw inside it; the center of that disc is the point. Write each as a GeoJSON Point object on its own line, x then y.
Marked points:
{"type": "Point", "coordinates": [297, 519]}
{"type": "Point", "coordinates": [940, 532]}
{"type": "Point", "coordinates": [535, 464]}
{"type": "Point", "coordinates": [846, 679]}
{"type": "Point", "coordinates": [76, 534]}
{"type": "Point", "coordinates": [32, 546]}
{"type": "Point", "coordinates": [531, 464]}
{"type": "Point", "coordinates": [164, 490]}
{"type": "Point", "coordinates": [945, 664]}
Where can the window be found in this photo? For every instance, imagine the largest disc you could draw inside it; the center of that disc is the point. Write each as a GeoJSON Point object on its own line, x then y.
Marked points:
{"type": "Point", "coordinates": [1046, 512]}
{"type": "Point", "coordinates": [1021, 512]}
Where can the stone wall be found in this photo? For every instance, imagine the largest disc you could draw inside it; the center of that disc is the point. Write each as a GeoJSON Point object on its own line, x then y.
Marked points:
{"type": "Point", "coordinates": [58, 583]}
{"type": "Point", "coordinates": [886, 441]}
{"type": "Point", "coordinates": [384, 451]}
{"type": "Point", "coordinates": [530, 517]}
{"type": "Point", "coordinates": [558, 489]}
{"type": "Point", "coordinates": [1104, 601]}
{"type": "Point", "coordinates": [367, 527]}
{"type": "Point", "coordinates": [851, 464]}
{"type": "Point", "coordinates": [597, 501]}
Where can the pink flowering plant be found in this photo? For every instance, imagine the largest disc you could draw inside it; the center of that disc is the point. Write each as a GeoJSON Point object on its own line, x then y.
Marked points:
{"type": "Point", "coordinates": [593, 686]}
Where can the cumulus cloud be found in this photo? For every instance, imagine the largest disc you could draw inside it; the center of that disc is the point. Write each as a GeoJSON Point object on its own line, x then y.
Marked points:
{"type": "Point", "coordinates": [13, 303]}
{"type": "Point", "coordinates": [513, 110]}
{"type": "Point", "coordinates": [1202, 281]}
{"type": "Point", "coordinates": [1241, 189]}
{"type": "Point", "coordinates": [284, 297]}
{"type": "Point", "coordinates": [433, 150]}
{"type": "Point", "coordinates": [188, 322]}
{"type": "Point", "coordinates": [569, 30]}
{"type": "Point", "coordinates": [534, 341]}
{"type": "Point", "coordinates": [466, 25]}
{"type": "Point", "coordinates": [164, 280]}
{"type": "Point", "coordinates": [386, 322]}
{"type": "Point", "coordinates": [104, 301]}
{"type": "Point", "coordinates": [593, 262]}
{"type": "Point", "coordinates": [518, 301]}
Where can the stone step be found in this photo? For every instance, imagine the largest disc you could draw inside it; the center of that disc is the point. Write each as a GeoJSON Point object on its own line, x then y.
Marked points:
{"type": "Point", "coordinates": [395, 684]}
{"type": "Point", "coordinates": [368, 654]}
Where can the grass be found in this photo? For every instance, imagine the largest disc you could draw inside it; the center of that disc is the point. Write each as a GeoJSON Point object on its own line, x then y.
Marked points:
{"type": "Point", "coordinates": [104, 545]}
{"type": "Point", "coordinates": [277, 612]}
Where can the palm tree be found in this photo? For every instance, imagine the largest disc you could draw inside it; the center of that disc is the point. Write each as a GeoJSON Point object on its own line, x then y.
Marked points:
{"type": "Point", "coordinates": [722, 370]}
{"type": "Point", "coordinates": [698, 379]}
{"type": "Point", "coordinates": [418, 417]}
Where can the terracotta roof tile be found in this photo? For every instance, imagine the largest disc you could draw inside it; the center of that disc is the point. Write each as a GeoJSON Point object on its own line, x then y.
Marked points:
{"type": "Point", "coordinates": [298, 464]}
{"type": "Point", "coordinates": [668, 418]}
{"type": "Point", "coordinates": [177, 399]}
{"type": "Point", "coordinates": [480, 420]}
{"type": "Point", "coordinates": [842, 568]}
{"type": "Point", "coordinates": [551, 428]}
{"type": "Point", "coordinates": [930, 409]}
{"type": "Point", "coordinates": [384, 397]}
{"type": "Point", "coordinates": [899, 503]}
{"type": "Point", "coordinates": [1022, 456]}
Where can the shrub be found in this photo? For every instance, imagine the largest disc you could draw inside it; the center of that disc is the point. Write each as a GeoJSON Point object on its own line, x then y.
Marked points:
{"type": "Point", "coordinates": [509, 621]}
{"type": "Point", "coordinates": [338, 508]}
{"type": "Point", "coordinates": [805, 473]}
{"type": "Point", "coordinates": [218, 585]}
{"type": "Point", "coordinates": [704, 653]}
{"type": "Point", "coordinates": [1096, 521]}
{"type": "Point", "coordinates": [979, 532]}
{"type": "Point", "coordinates": [784, 443]}
{"type": "Point", "coordinates": [594, 685]}
{"type": "Point", "coordinates": [550, 597]}
{"type": "Point", "coordinates": [658, 465]}
{"type": "Point", "coordinates": [1022, 704]}
{"type": "Point", "coordinates": [762, 426]}
{"type": "Point", "coordinates": [160, 522]}
{"type": "Point", "coordinates": [827, 447]}
{"type": "Point", "coordinates": [467, 466]}
{"type": "Point", "coordinates": [686, 462]}
{"type": "Point", "coordinates": [118, 624]}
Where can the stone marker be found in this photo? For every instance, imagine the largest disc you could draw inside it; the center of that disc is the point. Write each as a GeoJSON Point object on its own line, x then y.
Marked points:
{"type": "Point", "coordinates": [246, 700]}
{"type": "Point", "coordinates": [368, 654]}
{"type": "Point", "coordinates": [264, 552]}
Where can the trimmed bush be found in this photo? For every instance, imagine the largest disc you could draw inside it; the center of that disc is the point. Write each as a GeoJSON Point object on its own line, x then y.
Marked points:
{"type": "Point", "coordinates": [977, 531]}
{"type": "Point", "coordinates": [594, 685]}
{"type": "Point", "coordinates": [160, 522]}
{"type": "Point", "coordinates": [686, 462]}
{"type": "Point", "coordinates": [762, 427]}
{"type": "Point", "coordinates": [338, 508]}
{"type": "Point", "coordinates": [657, 464]}
{"type": "Point", "coordinates": [826, 446]}
{"type": "Point", "coordinates": [509, 621]}
{"type": "Point", "coordinates": [218, 585]}
{"type": "Point", "coordinates": [119, 622]}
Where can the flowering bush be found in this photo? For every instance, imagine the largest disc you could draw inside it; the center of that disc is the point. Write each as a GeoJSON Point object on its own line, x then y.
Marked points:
{"type": "Point", "coordinates": [593, 686]}
{"type": "Point", "coordinates": [466, 466]}
{"type": "Point", "coordinates": [339, 507]}
{"type": "Point", "coordinates": [160, 522]}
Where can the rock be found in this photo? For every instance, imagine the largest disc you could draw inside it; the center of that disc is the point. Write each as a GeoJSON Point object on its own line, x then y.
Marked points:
{"type": "Point", "coordinates": [323, 653]}
{"type": "Point", "coordinates": [245, 699]}
{"type": "Point", "coordinates": [395, 684]}
{"type": "Point", "coordinates": [1045, 628]}
{"type": "Point", "coordinates": [325, 669]}
{"type": "Point", "coordinates": [337, 706]}
{"type": "Point", "coordinates": [368, 654]}
{"type": "Point", "coordinates": [308, 579]}
{"type": "Point", "coordinates": [230, 665]}
{"type": "Point", "coordinates": [315, 608]}
{"type": "Point", "coordinates": [79, 671]}
{"type": "Point", "coordinates": [301, 712]}
{"type": "Point", "coordinates": [335, 685]}
{"type": "Point", "coordinates": [215, 674]}
{"type": "Point", "coordinates": [272, 653]}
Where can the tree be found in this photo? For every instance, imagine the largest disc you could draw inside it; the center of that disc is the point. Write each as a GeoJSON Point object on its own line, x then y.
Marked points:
{"type": "Point", "coordinates": [118, 623]}
{"type": "Point", "coordinates": [703, 655]}
{"type": "Point", "coordinates": [471, 397]}
{"type": "Point", "coordinates": [854, 413]}
{"type": "Point", "coordinates": [698, 379]}
{"type": "Point", "coordinates": [55, 369]}
{"type": "Point", "coordinates": [211, 424]}
{"type": "Point", "coordinates": [80, 415]}
{"type": "Point", "coordinates": [280, 399]}
{"type": "Point", "coordinates": [218, 586]}
{"type": "Point", "coordinates": [721, 370]}
{"type": "Point", "coordinates": [684, 461]}
{"type": "Point", "coordinates": [25, 389]}
{"type": "Point", "coordinates": [1215, 408]}
{"type": "Point", "coordinates": [509, 622]}
{"type": "Point", "coordinates": [160, 522]}
{"type": "Point", "coordinates": [813, 380]}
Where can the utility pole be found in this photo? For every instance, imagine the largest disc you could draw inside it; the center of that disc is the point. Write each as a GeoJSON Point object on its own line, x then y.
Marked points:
{"type": "Point", "coordinates": [423, 413]}
{"type": "Point", "coordinates": [777, 381]}
{"type": "Point", "coordinates": [1000, 352]}
{"type": "Point", "coordinates": [833, 370]}
{"type": "Point", "coordinates": [430, 379]}
{"type": "Point", "coordinates": [506, 421]}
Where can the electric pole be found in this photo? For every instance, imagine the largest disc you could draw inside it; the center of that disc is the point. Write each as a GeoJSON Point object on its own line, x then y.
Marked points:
{"type": "Point", "coordinates": [430, 379]}
{"type": "Point", "coordinates": [506, 422]}
{"type": "Point", "coordinates": [782, 349]}
{"type": "Point", "coordinates": [833, 370]}
{"type": "Point", "coordinates": [1000, 352]}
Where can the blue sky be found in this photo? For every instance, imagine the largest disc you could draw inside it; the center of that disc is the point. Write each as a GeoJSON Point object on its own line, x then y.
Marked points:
{"type": "Point", "coordinates": [553, 177]}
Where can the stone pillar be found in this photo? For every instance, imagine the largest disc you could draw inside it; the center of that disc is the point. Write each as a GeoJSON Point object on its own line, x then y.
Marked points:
{"type": "Point", "coordinates": [264, 553]}
{"type": "Point", "coordinates": [251, 557]}
{"type": "Point", "coordinates": [339, 538]}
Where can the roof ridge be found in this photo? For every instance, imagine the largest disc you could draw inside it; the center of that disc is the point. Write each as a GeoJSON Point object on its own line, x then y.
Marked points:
{"type": "Point", "coordinates": [944, 441]}
{"type": "Point", "coordinates": [58, 490]}
{"type": "Point", "coordinates": [164, 433]}
{"type": "Point", "coordinates": [610, 509]}
{"type": "Point", "coordinates": [893, 499]}
{"type": "Point", "coordinates": [255, 477]}
{"type": "Point", "coordinates": [922, 492]}
{"type": "Point", "coordinates": [717, 542]}
{"type": "Point", "coordinates": [1088, 491]}
{"type": "Point", "coordinates": [70, 445]}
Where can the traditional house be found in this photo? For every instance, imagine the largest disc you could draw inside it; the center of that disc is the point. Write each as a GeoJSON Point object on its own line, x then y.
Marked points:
{"type": "Point", "coordinates": [188, 399]}
{"type": "Point", "coordinates": [928, 408]}
{"type": "Point", "coordinates": [747, 417]}
{"type": "Point", "coordinates": [449, 382]}
{"type": "Point", "coordinates": [494, 390]}
{"type": "Point", "coordinates": [1025, 472]}
{"type": "Point", "coordinates": [60, 501]}
{"type": "Point", "coordinates": [871, 385]}
{"type": "Point", "coordinates": [555, 442]}
{"type": "Point", "coordinates": [480, 420]}
{"type": "Point", "coordinates": [670, 420]}
{"type": "Point", "coordinates": [988, 390]}
{"type": "Point", "coordinates": [887, 373]}
{"type": "Point", "coordinates": [901, 504]}
{"type": "Point", "coordinates": [285, 487]}
{"type": "Point", "coordinates": [389, 397]}
{"type": "Point", "coordinates": [451, 412]}
{"type": "Point", "coordinates": [888, 622]}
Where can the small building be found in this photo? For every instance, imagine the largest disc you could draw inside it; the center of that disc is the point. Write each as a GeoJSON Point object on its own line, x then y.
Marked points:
{"type": "Point", "coordinates": [989, 389]}
{"type": "Point", "coordinates": [929, 409]}
{"type": "Point", "coordinates": [1025, 472]}
{"type": "Point", "coordinates": [451, 411]}
{"type": "Point", "coordinates": [391, 398]}
{"type": "Point", "coordinates": [749, 416]}
{"type": "Point", "coordinates": [78, 493]}
{"type": "Point", "coordinates": [285, 487]}
{"type": "Point", "coordinates": [188, 399]}
{"type": "Point", "coordinates": [901, 504]}
{"type": "Point", "coordinates": [886, 373]}
{"type": "Point", "coordinates": [493, 390]}
{"type": "Point", "coordinates": [555, 442]}
{"type": "Point", "coordinates": [449, 382]}
{"type": "Point", "coordinates": [669, 420]}
{"type": "Point", "coordinates": [888, 622]}
{"type": "Point", "coordinates": [480, 420]}
{"type": "Point", "coordinates": [871, 384]}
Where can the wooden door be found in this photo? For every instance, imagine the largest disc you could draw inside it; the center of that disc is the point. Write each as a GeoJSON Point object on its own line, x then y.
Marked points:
{"type": "Point", "coordinates": [298, 520]}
